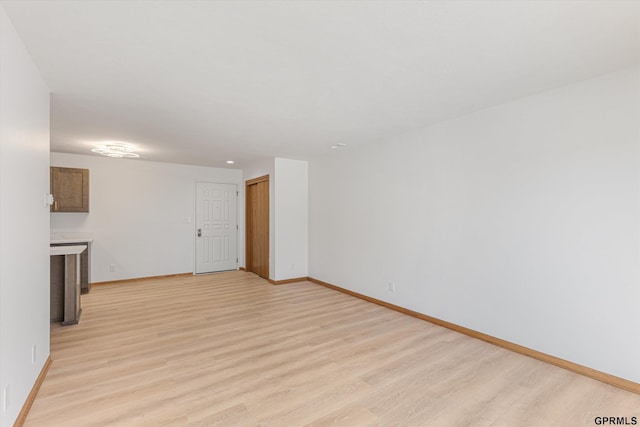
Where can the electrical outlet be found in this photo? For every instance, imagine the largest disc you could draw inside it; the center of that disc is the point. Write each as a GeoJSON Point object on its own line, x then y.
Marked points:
{"type": "Point", "coordinates": [112, 268]}
{"type": "Point", "coordinates": [391, 287]}
{"type": "Point", "coordinates": [33, 354]}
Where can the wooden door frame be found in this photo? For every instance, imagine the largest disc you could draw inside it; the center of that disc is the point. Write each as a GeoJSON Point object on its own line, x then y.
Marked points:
{"type": "Point", "coordinates": [247, 258]}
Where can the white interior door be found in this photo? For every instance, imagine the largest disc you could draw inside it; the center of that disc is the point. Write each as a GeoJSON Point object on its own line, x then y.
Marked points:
{"type": "Point", "coordinates": [216, 227]}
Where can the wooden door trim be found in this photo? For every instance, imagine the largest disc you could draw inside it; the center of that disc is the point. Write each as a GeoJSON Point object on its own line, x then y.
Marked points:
{"type": "Point", "coordinates": [257, 180]}
{"type": "Point", "coordinates": [248, 260]}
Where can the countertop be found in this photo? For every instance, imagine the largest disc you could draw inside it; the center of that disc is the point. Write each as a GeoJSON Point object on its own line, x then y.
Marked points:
{"type": "Point", "coordinates": [67, 250]}
{"type": "Point", "coordinates": [69, 237]}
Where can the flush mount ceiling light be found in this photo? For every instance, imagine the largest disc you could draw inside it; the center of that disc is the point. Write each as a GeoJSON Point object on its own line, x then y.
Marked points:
{"type": "Point", "coordinates": [338, 145]}
{"type": "Point", "coordinates": [230, 162]}
{"type": "Point", "coordinates": [116, 150]}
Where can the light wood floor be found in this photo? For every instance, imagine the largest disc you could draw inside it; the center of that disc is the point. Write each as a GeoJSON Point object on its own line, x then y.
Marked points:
{"type": "Point", "coordinates": [230, 349]}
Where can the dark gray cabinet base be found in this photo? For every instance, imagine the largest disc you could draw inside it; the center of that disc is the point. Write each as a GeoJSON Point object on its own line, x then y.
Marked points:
{"type": "Point", "coordinates": [65, 289]}
{"type": "Point", "coordinates": [57, 288]}
{"type": "Point", "coordinates": [57, 268]}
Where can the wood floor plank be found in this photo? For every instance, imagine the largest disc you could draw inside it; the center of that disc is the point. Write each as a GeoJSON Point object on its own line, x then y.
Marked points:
{"type": "Point", "coordinates": [230, 349]}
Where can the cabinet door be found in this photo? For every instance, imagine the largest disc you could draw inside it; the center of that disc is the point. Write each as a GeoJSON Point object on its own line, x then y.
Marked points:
{"type": "Point", "coordinates": [70, 189]}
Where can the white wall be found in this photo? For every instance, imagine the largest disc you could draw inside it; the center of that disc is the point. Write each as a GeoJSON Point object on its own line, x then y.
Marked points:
{"type": "Point", "coordinates": [139, 214]}
{"type": "Point", "coordinates": [519, 221]}
{"type": "Point", "coordinates": [291, 219]}
{"type": "Point", "coordinates": [24, 222]}
{"type": "Point", "coordinates": [288, 215]}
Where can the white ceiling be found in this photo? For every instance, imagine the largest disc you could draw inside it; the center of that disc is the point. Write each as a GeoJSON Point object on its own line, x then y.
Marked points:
{"type": "Point", "coordinates": [200, 82]}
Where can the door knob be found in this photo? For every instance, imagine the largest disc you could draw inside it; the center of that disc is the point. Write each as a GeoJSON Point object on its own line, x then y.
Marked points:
{"type": "Point", "coordinates": [199, 232]}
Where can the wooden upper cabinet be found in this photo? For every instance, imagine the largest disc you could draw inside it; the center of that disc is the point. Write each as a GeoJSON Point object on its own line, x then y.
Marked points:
{"type": "Point", "coordinates": [70, 189]}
